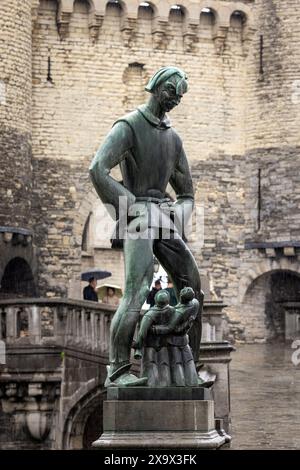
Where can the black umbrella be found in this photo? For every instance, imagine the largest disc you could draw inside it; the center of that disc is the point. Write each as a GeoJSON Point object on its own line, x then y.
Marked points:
{"type": "Point", "coordinates": [96, 273]}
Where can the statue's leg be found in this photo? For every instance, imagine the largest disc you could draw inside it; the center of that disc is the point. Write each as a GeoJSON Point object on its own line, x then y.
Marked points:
{"type": "Point", "coordinates": [150, 367]}
{"type": "Point", "coordinates": [180, 264]}
{"type": "Point", "coordinates": [138, 256]}
{"type": "Point", "coordinates": [190, 373]}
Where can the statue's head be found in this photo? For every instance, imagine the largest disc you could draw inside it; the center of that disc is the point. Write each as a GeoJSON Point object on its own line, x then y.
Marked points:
{"type": "Point", "coordinates": [162, 298]}
{"type": "Point", "coordinates": [186, 295]}
{"type": "Point", "coordinates": [168, 86]}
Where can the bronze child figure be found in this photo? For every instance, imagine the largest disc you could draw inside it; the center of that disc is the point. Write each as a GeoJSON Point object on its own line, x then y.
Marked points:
{"type": "Point", "coordinates": [163, 342]}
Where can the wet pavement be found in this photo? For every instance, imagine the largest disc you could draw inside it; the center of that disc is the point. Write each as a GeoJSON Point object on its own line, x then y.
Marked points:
{"type": "Point", "coordinates": [265, 397]}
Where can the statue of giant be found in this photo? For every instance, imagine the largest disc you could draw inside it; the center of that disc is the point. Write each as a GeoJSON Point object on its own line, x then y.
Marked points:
{"type": "Point", "coordinates": [150, 155]}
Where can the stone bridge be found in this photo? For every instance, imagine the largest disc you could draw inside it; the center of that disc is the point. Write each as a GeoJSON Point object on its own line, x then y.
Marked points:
{"type": "Point", "coordinates": [54, 366]}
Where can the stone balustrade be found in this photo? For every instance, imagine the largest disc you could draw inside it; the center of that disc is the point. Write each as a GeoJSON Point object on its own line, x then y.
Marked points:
{"type": "Point", "coordinates": [66, 322]}
{"type": "Point", "coordinates": [61, 322]}
{"type": "Point", "coordinates": [213, 321]}
{"type": "Point", "coordinates": [60, 347]}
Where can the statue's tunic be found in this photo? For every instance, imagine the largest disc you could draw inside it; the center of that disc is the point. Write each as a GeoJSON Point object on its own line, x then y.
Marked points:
{"type": "Point", "coordinates": [150, 155]}
{"type": "Point", "coordinates": [154, 156]}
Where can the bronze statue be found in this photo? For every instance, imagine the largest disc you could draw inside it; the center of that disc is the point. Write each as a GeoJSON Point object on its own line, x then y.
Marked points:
{"type": "Point", "coordinates": [150, 154]}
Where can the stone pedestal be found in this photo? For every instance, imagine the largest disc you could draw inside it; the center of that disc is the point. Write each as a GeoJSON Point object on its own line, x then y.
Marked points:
{"type": "Point", "coordinates": [159, 418]}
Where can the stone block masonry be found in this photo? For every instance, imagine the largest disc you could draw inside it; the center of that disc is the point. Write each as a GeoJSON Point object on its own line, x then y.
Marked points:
{"type": "Point", "coordinates": [69, 69]}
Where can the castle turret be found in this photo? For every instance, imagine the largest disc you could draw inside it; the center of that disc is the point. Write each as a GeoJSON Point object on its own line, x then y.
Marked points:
{"type": "Point", "coordinates": [15, 143]}
{"type": "Point", "coordinates": [269, 278]}
{"type": "Point", "coordinates": [273, 125]}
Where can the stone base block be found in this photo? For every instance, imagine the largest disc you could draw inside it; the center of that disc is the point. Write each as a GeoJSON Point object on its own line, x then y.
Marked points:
{"type": "Point", "coordinates": [159, 424]}
{"type": "Point", "coordinates": [160, 440]}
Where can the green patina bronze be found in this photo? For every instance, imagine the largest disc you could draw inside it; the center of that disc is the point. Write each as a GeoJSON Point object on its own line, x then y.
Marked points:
{"type": "Point", "coordinates": [150, 154]}
{"type": "Point", "coordinates": [163, 344]}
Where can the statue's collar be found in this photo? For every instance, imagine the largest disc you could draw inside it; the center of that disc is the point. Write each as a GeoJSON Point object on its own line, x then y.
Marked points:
{"type": "Point", "coordinates": [145, 111]}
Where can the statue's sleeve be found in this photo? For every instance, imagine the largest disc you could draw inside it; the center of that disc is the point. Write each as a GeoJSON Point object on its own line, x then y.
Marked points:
{"type": "Point", "coordinates": [181, 179]}
{"type": "Point", "coordinates": [113, 150]}
{"type": "Point", "coordinates": [181, 182]}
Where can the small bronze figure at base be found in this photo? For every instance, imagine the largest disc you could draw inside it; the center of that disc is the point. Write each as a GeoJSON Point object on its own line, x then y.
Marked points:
{"type": "Point", "coordinates": [163, 342]}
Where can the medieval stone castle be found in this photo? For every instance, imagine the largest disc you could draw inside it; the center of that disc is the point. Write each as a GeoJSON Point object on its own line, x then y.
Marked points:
{"type": "Point", "coordinates": [69, 68]}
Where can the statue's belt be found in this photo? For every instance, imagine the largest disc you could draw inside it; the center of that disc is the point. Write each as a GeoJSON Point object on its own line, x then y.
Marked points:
{"type": "Point", "coordinates": [154, 200]}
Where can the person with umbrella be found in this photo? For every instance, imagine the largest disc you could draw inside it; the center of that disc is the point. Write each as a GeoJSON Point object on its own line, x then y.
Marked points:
{"type": "Point", "coordinates": [111, 297]}
{"type": "Point", "coordinates": [89, 292]}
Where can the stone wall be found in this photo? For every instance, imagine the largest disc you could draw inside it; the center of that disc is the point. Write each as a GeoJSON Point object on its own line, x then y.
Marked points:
{"type": "Point", "coordinates": [232, 123]}
{"type": "Point", "coordinates": [273, 194]}
{"type": "Point", "coordinates": [15, 113]}
{"type": "Point", "coordinates": [55, 205]}
{"type": "Point", "coordinates": [91, 83]}
{"type": "Point", "coordinates": [239, 123]}
{"type": "Point", "coordinates": [81, 84]}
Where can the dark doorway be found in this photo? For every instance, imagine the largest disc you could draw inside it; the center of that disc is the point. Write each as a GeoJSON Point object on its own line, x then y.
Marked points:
{"type": "Point", "coordinates": [284, 287]}
{"type": "Point", "coordinates": [17, 280]}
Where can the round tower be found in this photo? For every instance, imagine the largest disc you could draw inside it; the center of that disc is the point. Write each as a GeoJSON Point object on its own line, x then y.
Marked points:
{"type": "Point", "coordinates": [15, 141]}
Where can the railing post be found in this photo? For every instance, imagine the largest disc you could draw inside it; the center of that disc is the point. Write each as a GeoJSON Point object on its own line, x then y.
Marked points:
{"type": "Point", "coordinates": [35, 324]}
{"type": "Point", "coordinates": [3, 327]}
{"type": "Point", "coordinates": [60, 323]}
{"type": "Point", "coordinates": [102, 332]}
{"type": "Point", "coordinates": [11, 324]}
{"type": "Point", "coordinates": [106, 327]}
{"type": "Point", "coordinates": [97, 332]}
{"type": "Point", "coordinates": [83, 325]}
{"type": "Point", "coordinates": [93, 332]}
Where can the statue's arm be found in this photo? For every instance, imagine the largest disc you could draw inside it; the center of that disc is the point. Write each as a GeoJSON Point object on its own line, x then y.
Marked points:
{"type": "Point", "coordinates": [146, 323]}
{"type": "Point", "coordinates": [110, 154]}
{"type": "Point", "coordinates": [167, 329]}
{"type": "Point", "coordinates": [183, 327]}
{"type": "Point", "coordinates": [181, 182]}
{"type": "Point", "coordinates": [192, 312]}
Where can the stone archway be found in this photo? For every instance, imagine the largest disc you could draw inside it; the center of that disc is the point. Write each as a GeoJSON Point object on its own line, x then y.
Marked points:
{"type": "Point", "coordinates": [17, 279]}
{"type": "Point", "coordinates": [263, 306]}
{"type": "Point", "coordinates": [84, 422]}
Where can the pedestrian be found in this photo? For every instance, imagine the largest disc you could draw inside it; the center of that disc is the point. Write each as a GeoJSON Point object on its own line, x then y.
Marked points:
{"type": "Point", "coordinates": [89, 292]}
{"type": "Point", "coordinates": [170, 289]}
{"type": "Point", "coordinates": [111, 297]}
{"type": "Point", "coordinates": [153, 292]}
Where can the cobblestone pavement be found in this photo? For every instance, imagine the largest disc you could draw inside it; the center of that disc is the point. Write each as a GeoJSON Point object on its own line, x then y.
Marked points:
{"type": "Point", "coordinates": [265, 397]}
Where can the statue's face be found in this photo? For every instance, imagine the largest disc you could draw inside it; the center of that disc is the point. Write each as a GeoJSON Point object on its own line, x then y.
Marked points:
{"type": "Point", "coordinates": [170, 93]}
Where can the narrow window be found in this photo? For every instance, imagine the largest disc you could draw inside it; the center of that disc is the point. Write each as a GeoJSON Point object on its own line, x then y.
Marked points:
{"type": "Point", "coordinates": [259, 199]}
{"type": "Point", "coordinates": [261, 54]}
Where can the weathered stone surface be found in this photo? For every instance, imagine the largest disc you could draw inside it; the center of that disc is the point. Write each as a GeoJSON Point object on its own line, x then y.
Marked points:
{"type": "Point", "coordinates": [244, 120]}
{"type": "Point", "coordinates": [159, 424]}
{"type": "Point", "coordinates": [158, 415]}
{"type": "Point", "coordinates": [158, 393]}
{"type": "Point", "coordinates": [160, 440]}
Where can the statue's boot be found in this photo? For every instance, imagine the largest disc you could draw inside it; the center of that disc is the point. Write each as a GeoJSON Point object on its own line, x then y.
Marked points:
{"type": "Point", "coordinates": [122, 378]}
